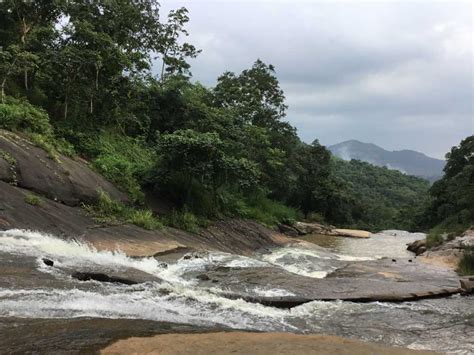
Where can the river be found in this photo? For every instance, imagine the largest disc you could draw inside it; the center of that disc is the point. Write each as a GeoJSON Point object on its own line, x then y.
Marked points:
{"type": "Point", "coordinates": [29, 289]}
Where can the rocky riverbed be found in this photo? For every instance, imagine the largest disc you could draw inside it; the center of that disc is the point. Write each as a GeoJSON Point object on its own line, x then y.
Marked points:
{"type": "Point", "coordinates": [69, 284]}
{"type": "Point", "coordinates": [271, 291]}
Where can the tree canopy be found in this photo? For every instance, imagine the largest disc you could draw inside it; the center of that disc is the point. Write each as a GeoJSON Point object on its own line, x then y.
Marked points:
{"type": "Point", "coordinates": [111, 81]}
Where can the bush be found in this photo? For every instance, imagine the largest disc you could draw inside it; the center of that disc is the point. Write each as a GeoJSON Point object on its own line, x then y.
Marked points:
{"type": "Point", "coordinates": [108, 210]}
{"type": "Point", "coordinates": [124, 161]}
{"type": "Point", "coordinates": [32, 200]}
{"type": "Point", "coordinates": [270, 212]}
{"type": "Point", "coordinates": [447, 230]}
{"type": "Point", "coordinates": [144, 219]}
{"type": "Point", "coordinates": [185, 220]}
{"type": "Point", "coordinates": [20, 115]}
{"type": "Point", "coordinates": [466, 264]}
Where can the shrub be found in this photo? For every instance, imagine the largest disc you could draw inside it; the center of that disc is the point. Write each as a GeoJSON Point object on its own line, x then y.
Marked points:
{"type": "Point", "coordinates": [466, 264]}
{"type": "Point", "coordinates": [144, 219]}
{"type": "Point", "coordinates": [271, 212]}
{"type": "Point", "coordinates": [20, 115]}
{"type": "Point", "coordinates": [32, 200]}
{"type": "Point", "coordinates": [434, 238]}
{"type": "Point", "coordinates": [124, 161]}
{"type": "Point", "coordinates": [185, 220]}
{"type": "Point", "coordinates": [447, 230]}
{"type": "Point", "coordinates": [108, 210]}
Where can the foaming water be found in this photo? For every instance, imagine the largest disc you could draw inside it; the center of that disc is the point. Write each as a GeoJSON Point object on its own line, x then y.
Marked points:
{"type": "Point", "coordinates": [441, 324]}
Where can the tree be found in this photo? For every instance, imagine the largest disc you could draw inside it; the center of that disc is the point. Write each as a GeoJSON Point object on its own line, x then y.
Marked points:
{"type": "Point", "coordinates": [23, 19]}
{"type": "Point", "coordinates": [193, 157]}
{"type": "Point", "coordinates": [312, 188]}
{"type": "Point", "coordinates": [173, 53]}
{"type": "Point", "coordinates": [255, 95]}
{"type": "Point", "coordinates": [13, 61]}
{"type": "Point", "coordinates": [453, 195]}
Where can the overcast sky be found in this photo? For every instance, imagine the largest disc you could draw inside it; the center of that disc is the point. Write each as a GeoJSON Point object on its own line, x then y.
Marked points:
{"type": "Point", "coordinates": [397, 74]}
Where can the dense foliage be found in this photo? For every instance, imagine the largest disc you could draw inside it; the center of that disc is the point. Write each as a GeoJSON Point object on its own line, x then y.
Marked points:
{"type": "Point", "coordinates": [452, 206]}
{"type": "Point", "coordinates": [382, 198]}
{"type": "Point", "coordinates": [77, 76]}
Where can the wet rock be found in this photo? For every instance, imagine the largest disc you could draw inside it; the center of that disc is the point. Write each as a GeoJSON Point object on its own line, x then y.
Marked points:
{"type": "Point", "coordinates": [467, 284]}
{"type": "Point", "coordinates": [203, 277]}
{"type": "Point", "coordinates": [48, 262]}
{"type": "Point", "coordinates": [93, 276]}
{"type": "Point", "coordinates": [418, 247]}
{"type": "Point", "coordinates": [365, 281]}
{"type": "Point", "coordinates": [288, 230]}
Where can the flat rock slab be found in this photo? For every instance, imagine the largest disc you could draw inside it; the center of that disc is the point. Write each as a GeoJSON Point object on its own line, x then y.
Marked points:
{"type": "Point", "coordinates": [78, 336]}
{"type": "Point", "coordinates": [251, 343]}
{"type": "Point", "coordinates": [379, 280]}
{"type": "Point", "coordinates": [351, 233]}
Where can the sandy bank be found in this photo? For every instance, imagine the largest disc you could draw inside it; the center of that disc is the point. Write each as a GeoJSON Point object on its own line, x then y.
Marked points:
{"type": "Point", "coordinates": [249, 343]}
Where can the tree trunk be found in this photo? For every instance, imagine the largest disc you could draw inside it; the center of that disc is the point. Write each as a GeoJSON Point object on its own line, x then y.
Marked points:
{"type": "Point", "coordinates": [25, 31]}
{"type": "Point", "coordinates": [3, 90]}
{"type": "Point", "coordinates": [65, 105]}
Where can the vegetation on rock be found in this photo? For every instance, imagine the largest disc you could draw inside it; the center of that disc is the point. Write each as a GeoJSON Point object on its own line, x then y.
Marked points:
{"type": "Point", "coordinates": [32, 199]}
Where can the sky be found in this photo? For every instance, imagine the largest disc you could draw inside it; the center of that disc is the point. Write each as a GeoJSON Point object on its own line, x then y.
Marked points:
{"type": "Point", "coordinates": [395, 73]}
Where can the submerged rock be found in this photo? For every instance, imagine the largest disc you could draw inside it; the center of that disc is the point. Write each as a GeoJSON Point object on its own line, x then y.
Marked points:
{"type": "Point", "coordinates": [48, 262]}
{"type": "Point", "coordinates": [95, 276]}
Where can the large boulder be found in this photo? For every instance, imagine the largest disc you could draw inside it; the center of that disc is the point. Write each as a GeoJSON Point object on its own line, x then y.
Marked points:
{"type": "Point", "coordinates": [63, 179]}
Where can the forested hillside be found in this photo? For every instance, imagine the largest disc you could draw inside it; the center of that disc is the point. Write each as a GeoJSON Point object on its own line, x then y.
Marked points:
{"type": "Point", "coordinates": [407, 161]}
{"type": "Point", "coordinates": [76, 77]}
{"type": "Point", "coordinates": [382, 198]}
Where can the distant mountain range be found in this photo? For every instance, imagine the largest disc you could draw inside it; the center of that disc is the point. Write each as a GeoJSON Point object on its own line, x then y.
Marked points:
{"type": "Point", "coordinates": [407, 161]}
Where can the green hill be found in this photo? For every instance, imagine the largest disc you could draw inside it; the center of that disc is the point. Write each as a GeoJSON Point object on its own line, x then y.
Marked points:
{"type": "Point", "coordinates": [381, 198]}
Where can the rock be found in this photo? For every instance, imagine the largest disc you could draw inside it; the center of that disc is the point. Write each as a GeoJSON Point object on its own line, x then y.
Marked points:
{"type": "Point", "coordinates": [467, 284]}
{"type": "Point", "coordinates": [364, 281]}
{"type": "Point", "coordinates": [418, 246]}
{"type": "Point", "coordinates": [288, 230]}
{"type": "Point", "coordinates": [234, 235]}
{"type": "Point", "coordinates": [351, 233]}
{"type": "Point", "coordinates": [203, 277]}
{"type": "Point", "coordinates": [450, 253]}
{"type": "Point", "coordinates": [65, 180]}
{"type": "Point", "coordinates": [48, 262]}
{"type": "Point", "coordinates": [88, 276]}
{"type": "Point", "coordinates": [304, 228]}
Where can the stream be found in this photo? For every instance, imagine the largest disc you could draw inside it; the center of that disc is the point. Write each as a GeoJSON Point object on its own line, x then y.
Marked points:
{"type": "Point", "coordinates": [29, 289]}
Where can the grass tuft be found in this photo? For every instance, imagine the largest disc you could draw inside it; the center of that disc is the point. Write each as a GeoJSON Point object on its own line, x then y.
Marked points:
{"type": "Point", "coordinates": [32, 200]}
{"type": "Point", "coordinates": [466, 264]}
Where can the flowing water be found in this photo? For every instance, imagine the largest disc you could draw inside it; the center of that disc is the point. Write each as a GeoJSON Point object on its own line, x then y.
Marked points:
{"type": "Point", "coordinates": [445, 324]}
